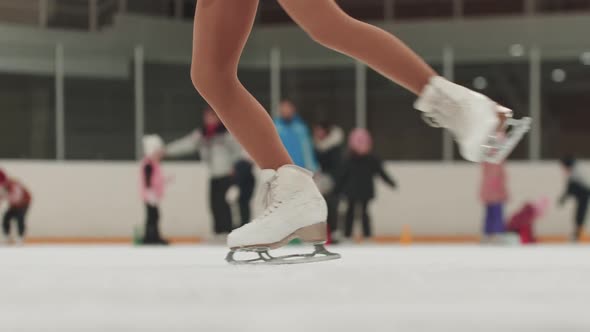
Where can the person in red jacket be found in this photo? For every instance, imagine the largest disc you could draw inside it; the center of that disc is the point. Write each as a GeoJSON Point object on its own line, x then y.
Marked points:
{"type": "Point", "coordinates": [523, 220]}
{"type": "Point", "coordinates": [19, 200]}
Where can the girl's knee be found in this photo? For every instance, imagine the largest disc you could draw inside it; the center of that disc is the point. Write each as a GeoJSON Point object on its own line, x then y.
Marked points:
{"type": "Point", "coordinates": [323, 35]}
{"type": "Point", "coordinates": [200, 76]}
{"type": "Point", "coordinates": [211, 81]}
{"type": "Point", "coordinates": [328, 31]}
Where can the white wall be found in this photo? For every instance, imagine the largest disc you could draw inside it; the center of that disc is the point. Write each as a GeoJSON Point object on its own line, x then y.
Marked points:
{"type": "Point", "coordinates": [83, 199]}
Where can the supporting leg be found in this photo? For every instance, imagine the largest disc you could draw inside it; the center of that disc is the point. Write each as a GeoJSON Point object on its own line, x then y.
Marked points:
{"type": "Point", "coordinates": [220, 32]}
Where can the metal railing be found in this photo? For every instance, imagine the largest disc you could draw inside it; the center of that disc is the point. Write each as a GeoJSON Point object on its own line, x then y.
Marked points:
{"type": "Point", "coordinates": [92, 15]}
{"type": "Point", "coordinates": [143, 96]}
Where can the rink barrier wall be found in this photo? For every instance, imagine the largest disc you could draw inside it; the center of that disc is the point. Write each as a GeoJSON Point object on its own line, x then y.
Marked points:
{"type": "Point", "coordinates": [99, 201]}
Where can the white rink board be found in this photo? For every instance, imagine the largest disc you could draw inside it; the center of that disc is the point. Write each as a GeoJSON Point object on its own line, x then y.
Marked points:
{"type": "Point", "coordinates": [100, 199]}
{"type": "Point", "coordinates": [414, 289]}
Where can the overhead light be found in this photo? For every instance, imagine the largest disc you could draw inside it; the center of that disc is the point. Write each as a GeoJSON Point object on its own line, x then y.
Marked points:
{"type": "Point", "coordinates": [516, 50]}
{"type": "Point", "coordinates": [585, 58]}
{"type": "Point", "coordinates": [480, 83]}
{"type": "Point", "coordinates": [558, 75]}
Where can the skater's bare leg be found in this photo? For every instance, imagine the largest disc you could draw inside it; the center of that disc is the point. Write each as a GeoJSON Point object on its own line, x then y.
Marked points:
{"type": "Point", "coordinates": [221, 29]}
{"type": "Point", "coordinates": [327, 24]}
{"type": "Point", "coordinates": [330, 26]}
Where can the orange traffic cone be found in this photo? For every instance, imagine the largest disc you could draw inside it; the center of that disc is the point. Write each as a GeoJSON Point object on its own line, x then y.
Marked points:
{"type": "Point", "coordinates": [406, 236]}
{"type": "Point", "coordinates": [584, 238]}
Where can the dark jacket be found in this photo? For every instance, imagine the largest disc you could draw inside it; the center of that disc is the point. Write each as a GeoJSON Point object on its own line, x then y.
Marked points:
{"type": "Point", "coordinates": [329, 152]}
{"type": "Point", "coordinates": [576, 190]}
{"type": "Point", "coordinates": [576, 186]}
{"type": "Point", "coordinates": [356, 180]}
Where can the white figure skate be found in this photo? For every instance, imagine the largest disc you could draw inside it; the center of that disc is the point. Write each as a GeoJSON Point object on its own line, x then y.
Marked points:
{"type": "Point", "coordinates": [294, 209]}
{"type": "Point", "coordinates": [473, 120]}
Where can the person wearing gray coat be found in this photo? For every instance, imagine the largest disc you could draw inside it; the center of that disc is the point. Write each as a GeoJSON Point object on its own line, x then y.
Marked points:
{"type": "Point", "coordinates": [221, 152]}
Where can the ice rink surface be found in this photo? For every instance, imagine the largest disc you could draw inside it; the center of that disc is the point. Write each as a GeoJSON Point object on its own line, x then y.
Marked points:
{"type": "Point", "coordinates": [385, 288]}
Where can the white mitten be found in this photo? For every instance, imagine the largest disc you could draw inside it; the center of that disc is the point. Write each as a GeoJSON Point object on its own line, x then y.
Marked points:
{"type": "Point", "coordinates": [232, 195]}
{"type": "Point", "coordinates": [151, 198]}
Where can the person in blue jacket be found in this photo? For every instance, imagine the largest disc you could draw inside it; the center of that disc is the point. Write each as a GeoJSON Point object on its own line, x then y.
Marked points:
{"type": "Point", "coordinates": [296, 136]}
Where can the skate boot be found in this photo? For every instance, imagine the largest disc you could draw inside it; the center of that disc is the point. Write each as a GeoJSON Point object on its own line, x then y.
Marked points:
{"type": "Point", "coordinates": [294, 209]}
{"type": "Point", "coordinates": [473, 119]}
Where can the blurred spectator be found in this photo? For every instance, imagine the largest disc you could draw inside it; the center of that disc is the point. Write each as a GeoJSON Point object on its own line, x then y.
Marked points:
{"type": "Point", "coordinates": [493, 194]}
{"type": "Point", "coordinates": [356, 180]}
{"type": "Point", "coordinates": [578, 187]}
{"type": "Point", "coordinates": [222, 153]}
{"type": "Point", "coordinates": [244, 184]}
{"type": "Point", "coordinates": [522, 222]}
{"type": "Point", "coordinates": [295, 136]}
{"type": "Point", "coordinates": [329, 145]}
{"type": "Point", "coordinates": [19, 201]}
{"type": "Point", "coordinates": [153, 186]}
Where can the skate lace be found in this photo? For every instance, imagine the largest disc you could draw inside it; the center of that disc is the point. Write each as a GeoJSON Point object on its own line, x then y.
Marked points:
{"type": "Point", "coordinates": [269, 199]}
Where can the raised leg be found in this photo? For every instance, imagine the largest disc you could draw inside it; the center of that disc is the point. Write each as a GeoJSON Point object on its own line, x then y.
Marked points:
{"type": "Point", "coordinates": [472, 118]}
{"type": "Point", "coordinates": [220, 32]}
{"type": "Point", "coordinates": [330, 26]}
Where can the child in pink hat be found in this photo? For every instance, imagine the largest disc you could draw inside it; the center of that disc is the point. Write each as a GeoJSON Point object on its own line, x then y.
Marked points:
{"type": "Point", "coordinates": [152, 185]}
{"type": "Point", "coordinates": [357, 183]}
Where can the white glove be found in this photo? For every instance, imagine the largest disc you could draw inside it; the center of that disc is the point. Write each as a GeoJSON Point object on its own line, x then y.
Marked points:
{"type": "Point", "coordinates": [232, 195]}
{"type": "Point", "coordinates": [151, 198]}
{"type": "Point", "coordinates": [324, 183]}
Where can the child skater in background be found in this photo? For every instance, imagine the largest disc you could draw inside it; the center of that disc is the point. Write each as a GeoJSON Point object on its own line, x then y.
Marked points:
{"type": "Point", "coordinates": [522, 222]}
{"type": "Point", "coordinates": [19, 200]}
{"type": "Point", "coordinates": [228, 169]}
{"type": "Point", "coordinates": [152, 188]}
{"type": "Point", "coordinates": [578, 187]}
{"type": "Point", "coordinates": [493, 194]}
{"type": "Point", "coordinates": [356, 181]}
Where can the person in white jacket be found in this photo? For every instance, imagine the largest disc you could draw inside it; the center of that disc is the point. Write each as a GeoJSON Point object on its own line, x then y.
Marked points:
{"type": "Point", "coordinates": [221, 152]}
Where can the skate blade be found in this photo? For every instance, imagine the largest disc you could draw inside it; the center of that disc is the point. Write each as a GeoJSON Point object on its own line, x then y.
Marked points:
{"type": "Point", "coordinates": [320, 254]}
{"type": "Point", "coordinates": [496, 152]}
